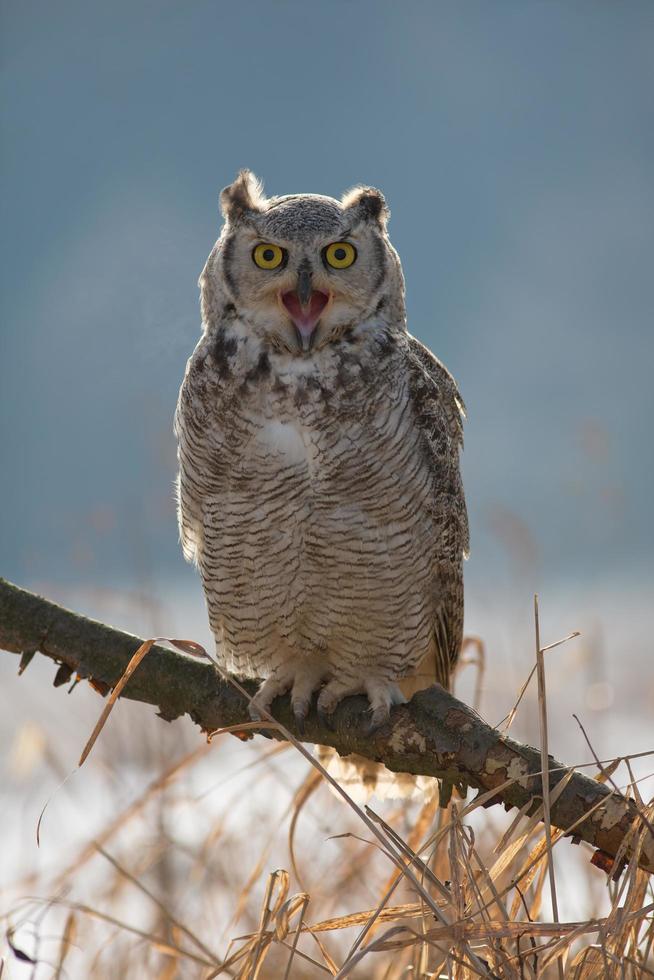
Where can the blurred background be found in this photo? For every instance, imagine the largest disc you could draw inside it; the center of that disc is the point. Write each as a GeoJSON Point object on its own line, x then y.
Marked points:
{"type": "Point", "coordinates": [514, 142]}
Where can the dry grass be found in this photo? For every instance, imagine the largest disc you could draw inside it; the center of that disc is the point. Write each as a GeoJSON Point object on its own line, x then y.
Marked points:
{"type": "Point", "coordinates": [238, 860]}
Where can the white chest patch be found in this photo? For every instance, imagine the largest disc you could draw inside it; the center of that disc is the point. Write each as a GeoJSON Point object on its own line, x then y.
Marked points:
{"type": "Point", "coordinates": [284, 438]}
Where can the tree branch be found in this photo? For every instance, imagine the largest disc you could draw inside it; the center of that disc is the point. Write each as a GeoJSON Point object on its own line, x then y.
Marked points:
{"type": "Point", "coordinates": [434, 735]}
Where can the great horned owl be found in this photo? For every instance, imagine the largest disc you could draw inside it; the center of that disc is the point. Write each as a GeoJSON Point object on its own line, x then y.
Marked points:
{"type": "Point", "coordinates": [319, 485]}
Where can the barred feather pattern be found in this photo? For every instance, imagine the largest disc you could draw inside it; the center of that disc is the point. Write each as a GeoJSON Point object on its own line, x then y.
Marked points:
{"type": "Point", "coordinates": [322, 502]}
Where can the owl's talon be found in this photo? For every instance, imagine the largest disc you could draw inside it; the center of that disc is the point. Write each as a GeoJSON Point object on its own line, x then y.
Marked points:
{"type": "Point", "coordinates": [254, 713]}
{"type": "Point", "coordinates": [326, 719]}
{"type": "Point", "coordinates": [378, 718]}
{"type": "Point", "coordinates": [300, 715]}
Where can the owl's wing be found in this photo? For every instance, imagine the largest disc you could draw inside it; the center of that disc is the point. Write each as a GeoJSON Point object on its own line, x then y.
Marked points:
{"type": "Point", "coordinates": [439, 412]}
{"type": "Point", "coordinates": [195, 451]}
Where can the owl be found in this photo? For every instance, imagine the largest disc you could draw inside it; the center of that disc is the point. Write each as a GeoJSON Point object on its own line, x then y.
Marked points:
{"type": "Point", "coordinates": [319, 487]}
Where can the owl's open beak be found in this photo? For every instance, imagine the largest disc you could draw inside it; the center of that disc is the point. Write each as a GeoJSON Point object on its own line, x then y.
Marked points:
{"type": "Point", "coordinates": [304, 306]}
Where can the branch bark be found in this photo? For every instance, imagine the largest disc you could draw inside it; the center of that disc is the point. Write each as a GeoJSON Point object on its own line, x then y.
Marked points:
{"type": "Point", "coordinates": [433, 735]}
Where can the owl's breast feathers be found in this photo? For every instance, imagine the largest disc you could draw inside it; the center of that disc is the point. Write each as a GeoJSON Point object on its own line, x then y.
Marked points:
{"type": "Point", "coordinates": [322, 498]}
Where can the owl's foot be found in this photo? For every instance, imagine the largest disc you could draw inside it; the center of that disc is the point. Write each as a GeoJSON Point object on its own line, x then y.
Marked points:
{"type": "Point", "coordinates": [306, 678]}
{"type": "Point", "coordinates": [301, 680]}
{"type": "Point", "coordinates": [382, 695]}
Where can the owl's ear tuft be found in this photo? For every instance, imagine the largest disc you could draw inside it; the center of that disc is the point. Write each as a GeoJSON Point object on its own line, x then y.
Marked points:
{"type": "Point", "coordinates": [368, 203]}
{"type": "Point", "coordinates": [245, 194]}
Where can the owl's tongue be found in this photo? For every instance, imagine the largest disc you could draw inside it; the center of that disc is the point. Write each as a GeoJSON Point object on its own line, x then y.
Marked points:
{"type": "Point", "coordinates": [306, 317]}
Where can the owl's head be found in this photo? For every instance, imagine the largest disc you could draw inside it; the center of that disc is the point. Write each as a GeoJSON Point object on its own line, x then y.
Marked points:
{"type": "Point", "coordinates": [302, 270]}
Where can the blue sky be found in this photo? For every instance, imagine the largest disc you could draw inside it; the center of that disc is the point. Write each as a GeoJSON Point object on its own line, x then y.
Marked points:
{"type": "Point", "coordinates": [515, 144]}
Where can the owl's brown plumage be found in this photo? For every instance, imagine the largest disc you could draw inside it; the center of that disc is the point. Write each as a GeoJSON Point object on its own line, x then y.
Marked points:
{"type": "Point", "coordinates": [319, 484]}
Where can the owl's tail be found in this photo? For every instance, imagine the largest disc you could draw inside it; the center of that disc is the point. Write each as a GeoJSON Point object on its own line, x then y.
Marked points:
{"type": "Point", "coordinates": [362, 778]}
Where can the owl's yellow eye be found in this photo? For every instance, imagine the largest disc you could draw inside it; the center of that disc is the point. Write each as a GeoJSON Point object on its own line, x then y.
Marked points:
{"type": "Point", "coordinates": [268, 256]}
{"type": "Point", "coordinates": [340, 255]}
